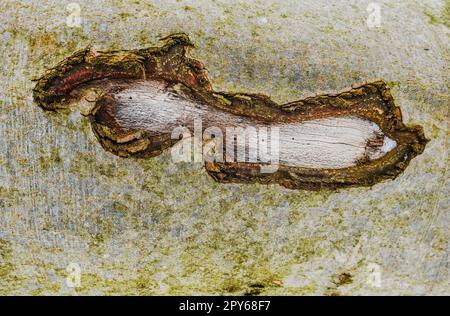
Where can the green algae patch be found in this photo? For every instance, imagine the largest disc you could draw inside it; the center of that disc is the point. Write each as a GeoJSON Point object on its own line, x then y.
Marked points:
{"type": "Point", "coordinates": [442, 18]}
{"type": "Point", "coordinates": [86, 165]}
{"type": "Point", "coordinates": [9, 279]}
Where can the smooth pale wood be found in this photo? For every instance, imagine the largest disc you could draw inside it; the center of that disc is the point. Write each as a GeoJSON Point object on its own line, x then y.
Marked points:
{"type": "Point", "coordinates": [337, 142]}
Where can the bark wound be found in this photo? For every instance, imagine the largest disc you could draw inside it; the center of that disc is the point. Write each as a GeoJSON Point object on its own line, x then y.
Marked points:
{"type": "Point", "coordinates": [135, 99]}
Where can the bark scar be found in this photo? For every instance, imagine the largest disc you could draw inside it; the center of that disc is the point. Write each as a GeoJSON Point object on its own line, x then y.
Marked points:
{"type": "Point", "coordinates": [134, 100]}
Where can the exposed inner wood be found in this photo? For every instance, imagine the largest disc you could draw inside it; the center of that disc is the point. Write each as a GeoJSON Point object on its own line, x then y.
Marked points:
{"type": "Point", "coordinates": [336, 142]}
{"type": "Point", "coordinates": [135, 99]}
